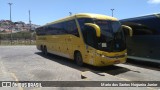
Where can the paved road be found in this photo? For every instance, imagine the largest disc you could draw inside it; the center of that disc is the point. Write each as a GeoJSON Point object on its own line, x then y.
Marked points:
{"type": "Point", "coordinates": [26, 63]}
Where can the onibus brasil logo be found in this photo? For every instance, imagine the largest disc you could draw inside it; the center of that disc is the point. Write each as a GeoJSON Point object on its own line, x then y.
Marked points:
{"type": "Point", "coordinates": [21, 84]}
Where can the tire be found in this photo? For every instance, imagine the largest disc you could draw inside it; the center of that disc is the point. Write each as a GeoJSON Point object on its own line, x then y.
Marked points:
{"type": "Point", "coordinates": [78, 59]}
{"type": "Point", "coordinates": [45, 52]}
{"type": "Point", "coordinates": [42, 49]}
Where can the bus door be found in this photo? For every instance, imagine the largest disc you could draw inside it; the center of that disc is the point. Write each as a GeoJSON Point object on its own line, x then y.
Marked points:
{"type": "Point", "coordinates": [89, 35]}
{"type": "Point", "coordinates": [72, 37]}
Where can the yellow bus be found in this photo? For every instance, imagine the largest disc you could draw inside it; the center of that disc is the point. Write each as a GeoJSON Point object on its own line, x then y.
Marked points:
{"type": "Point", "coordinates": [93, 39]}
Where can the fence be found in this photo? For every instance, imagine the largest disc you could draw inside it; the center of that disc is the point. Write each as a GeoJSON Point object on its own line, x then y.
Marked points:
{"type": "Point", "coordinates": [20, 38]}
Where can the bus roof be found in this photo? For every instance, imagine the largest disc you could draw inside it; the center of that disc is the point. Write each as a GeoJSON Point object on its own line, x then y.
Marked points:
{"type": "Point", "coordinates": [150, 22]}
{"type": "Point", "coordinates": [141, 17]}
{"type": "Point", "coordinates": [84, 15]}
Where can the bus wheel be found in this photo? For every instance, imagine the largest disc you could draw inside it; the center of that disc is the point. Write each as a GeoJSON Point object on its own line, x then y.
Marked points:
{"type": "Point", "coordinates": [42, 49]}
{"type": "Point", "coordinates": [78, 59]}
{"type": "Point", "coordinates": [45, 50]}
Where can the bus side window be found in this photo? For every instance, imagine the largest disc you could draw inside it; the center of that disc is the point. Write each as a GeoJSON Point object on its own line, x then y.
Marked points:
{"type": "Point", "coordinates": [48, 30]}
{"type": "Point", "coordinates": [142, 32]}
{"type": "Point", "coordinates": [56, 29]}
{"type": "Point", "coordinates": [72, 28]}
{"type": "Point", "coordinates": [41, 31]}
{"type": "Point", "coordinates": [38, 31]}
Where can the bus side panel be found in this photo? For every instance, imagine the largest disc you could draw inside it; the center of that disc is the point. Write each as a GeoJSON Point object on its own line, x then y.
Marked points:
{"type": "Point", "coordinates": [58, 45]}
{"type": "Point", "coordinates": [40, 41]}
{"type": "Point", "coordinates": [144, 46]}
{"type": "Point", "coordinates": [74, 43]}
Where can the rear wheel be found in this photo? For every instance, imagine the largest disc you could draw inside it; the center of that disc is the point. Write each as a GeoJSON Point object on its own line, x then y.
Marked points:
{"type": "Point", "coordinates": [45, 52]}
{"type": "Point", "coordinates": [42, 49]}
{"type": "Point", "coordinates": [78, 59]}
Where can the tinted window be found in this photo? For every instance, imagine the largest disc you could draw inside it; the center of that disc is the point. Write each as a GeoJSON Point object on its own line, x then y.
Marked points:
{"type": "Point", "coordinates": [55, 29]}
{"type": "Point", "coordinates": [68, 27]}
{"type": "Point", "coordinates": [82, 21]}
{"type": "Point", "coordinates": [71, 28]}
{"type": "Point", "coordinates": [49, 30]}
{"type": "Point", "coordinates": [40, 31]}
{"type": "Point", "coordinates": [90, 36]}
{"type": "Point", "coordinates": [58, 28]}
{"type": "Point", "coordinates": [142, 32]}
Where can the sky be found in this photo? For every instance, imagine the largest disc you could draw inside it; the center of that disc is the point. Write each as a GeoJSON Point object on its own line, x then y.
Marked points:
{"type": "Point", "coordinates": [45, 11]}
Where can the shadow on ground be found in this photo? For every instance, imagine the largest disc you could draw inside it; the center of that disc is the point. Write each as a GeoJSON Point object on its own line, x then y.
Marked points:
{"type": "Point", "coordinates": [143, 64]}
{"type": "Point", "coordinates": [113, 70]}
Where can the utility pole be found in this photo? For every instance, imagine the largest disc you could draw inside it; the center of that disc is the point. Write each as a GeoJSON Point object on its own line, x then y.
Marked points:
{"type": "Point", "coordinates": [30, 20]}
{"type": "Point", "coordinates": [30, 25]}
{"type": "Point", "coordinates": [10, 5]}
{"type": "Point", "coordinates": [0, 38]}
{"type": "Point", "coordinates": [112, 12]}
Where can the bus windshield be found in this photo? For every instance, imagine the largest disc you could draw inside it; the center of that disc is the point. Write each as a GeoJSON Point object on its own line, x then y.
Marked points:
{"type": "Point", "coordinates": [112, 37]}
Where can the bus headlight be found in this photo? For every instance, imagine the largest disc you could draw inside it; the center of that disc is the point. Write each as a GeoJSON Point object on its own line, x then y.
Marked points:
{"type": "Point", "coordinates": [97, 54]}
{"type": "Point", "coordinates": [103, 56]}
{"type": "Point", "coordinates": [100, 55]}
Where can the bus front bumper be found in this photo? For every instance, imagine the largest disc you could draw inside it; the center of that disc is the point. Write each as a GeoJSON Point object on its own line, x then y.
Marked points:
{"type": "Point", "coordinates": [106, 60]}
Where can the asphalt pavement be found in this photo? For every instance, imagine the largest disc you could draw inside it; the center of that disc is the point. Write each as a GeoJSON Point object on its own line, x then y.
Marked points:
{"type": "Point", "coordinates": [26, 63]}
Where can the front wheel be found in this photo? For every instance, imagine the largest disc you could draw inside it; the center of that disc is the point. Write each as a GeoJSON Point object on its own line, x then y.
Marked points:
{"type": "Point", "coordinates": [78, 59]}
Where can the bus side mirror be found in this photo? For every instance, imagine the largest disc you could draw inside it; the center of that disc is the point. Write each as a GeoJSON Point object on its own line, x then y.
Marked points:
{"type": "Point", "coordinates": [96, 28]}
{"type": "Point", "coordinates": [128, 29]}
